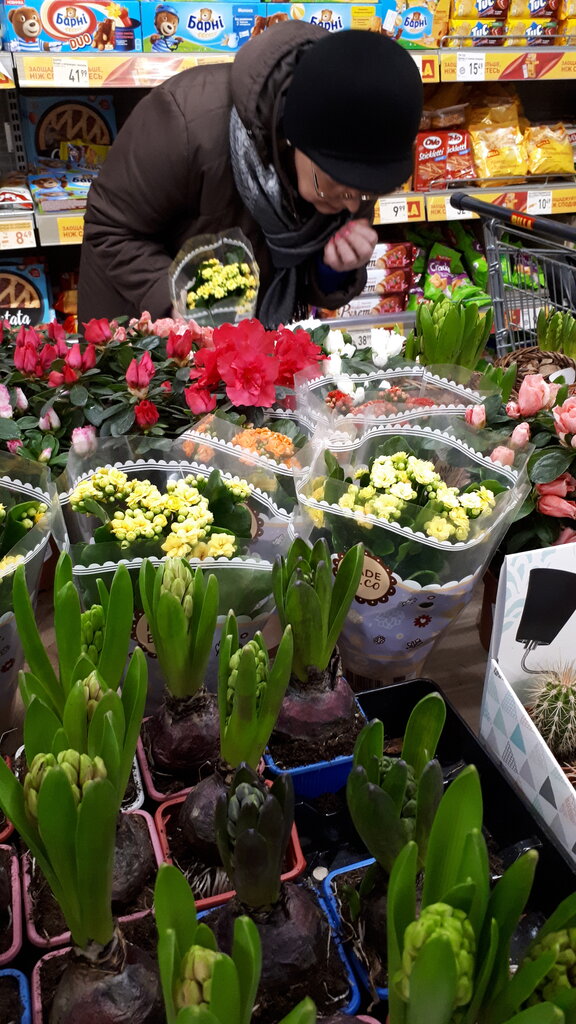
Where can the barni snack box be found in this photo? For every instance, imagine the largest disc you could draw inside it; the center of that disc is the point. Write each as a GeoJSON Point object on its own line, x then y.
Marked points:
{"type": "Point", "coordinates": [189, 28]}
{"type": "Point", "coordinates": [62, 26]}
{"type": "Point", "coordinates": [337, 16]}
{"type": "Point", "coordinates": [24, 294]}
{"type": "Point", "coordinates": [422, 25]}
{"type": "Point", "coordinates": [49, 120]}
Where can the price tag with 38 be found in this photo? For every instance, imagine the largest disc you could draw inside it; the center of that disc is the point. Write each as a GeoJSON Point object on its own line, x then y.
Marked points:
{"type": "Point", "coordinates": [70, 72]}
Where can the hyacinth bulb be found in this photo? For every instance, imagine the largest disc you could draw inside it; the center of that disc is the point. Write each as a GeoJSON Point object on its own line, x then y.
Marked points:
{"type": "Point", "coordinates": [80, 770]}
{"type": "Point", "coordinates": [440, 919]}
{"type": "Point", "coordinates": [562, 974]}
{"type": "Point", "coordinates": [92, 632]}
{"type": "Point", "coordinates": [194, 987]}
{"type": "Point", "coordinates": [553, 708]}
{"type": "Point", "coordinates": [178, 580]}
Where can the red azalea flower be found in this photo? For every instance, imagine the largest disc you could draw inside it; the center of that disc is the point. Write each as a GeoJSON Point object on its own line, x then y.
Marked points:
{"type": "Point", "coordinates": [139, 374]}
{"type": "Point", "coordinates": [97, 332]}
{"type": "Point", "coordinates": [206, 372]}
{"type": "Point", "coordinates": [89, 358]}
{"type": "Point", "coordinates": [55, 379]}
{"type": "Point", "coordinates": [26, 360]}
{"type": "Point", "coordinates": [74, 357]}
{"type": "Point", "coordinates": [179, 347]}
{"type": "Point", "coordinates": [250, 377]}
{"type": "Point", "coordinates": [296, 351]}
{"type": "Point", "coordinates": [199, 400]}
{"type": "Point", "coordinates": [27, 335]}
{"type": "Point", "coordinates": [146, 414]}
{"type": "Point", "coordinates": [166, 386]}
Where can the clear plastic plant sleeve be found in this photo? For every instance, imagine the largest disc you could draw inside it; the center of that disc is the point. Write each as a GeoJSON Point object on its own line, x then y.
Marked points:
{"type": "Point", "coordinates": [413, 585]}
{"type": "Point", "coordinates": [228, 247]}
{"type": "Point", "coordinates": [20, 481]}
{"type": "Point", "coordinates": [245, 580]}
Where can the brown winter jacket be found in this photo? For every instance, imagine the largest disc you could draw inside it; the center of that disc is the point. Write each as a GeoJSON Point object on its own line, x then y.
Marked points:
{"type": "Point", "coordinates": [169, 177]}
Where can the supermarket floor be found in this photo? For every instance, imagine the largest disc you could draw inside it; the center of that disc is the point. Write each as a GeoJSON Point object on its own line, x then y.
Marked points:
{"type": "Point", "coordinates": [457, 664]}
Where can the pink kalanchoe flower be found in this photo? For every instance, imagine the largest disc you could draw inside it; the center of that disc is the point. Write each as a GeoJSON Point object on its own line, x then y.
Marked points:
{"type": "Point", "coordinates": [565, 417]}
{"type": "Point", "coordinates": [6, 411]}
{"type": "Point", "coordinates": [551, 505]}
{"type": "Point", "coordinates": [139, 374]}
{"type": "Point", "coordinates": [84, 440]}
{"type": "Point", "coordinates": [475, 415]}
{"type": "Point", "coordinates": [14, 446]}
{"type": "Point", "coordinates": [21, 402]}
{"type": "Point", "coordinates": [98, 332]}
{"type": "Point", "coordinates": [505, 456]}
{"type": "Point", "coordinates": [199, 400]}
{"type": "Point", "coordinates": [49, 421]}
{"type": "Point", "coordinates": [520, 435]}
{"type": "Point", "coordinates": [513, 410]}
{"type": "Point", "coordinates": [163, 327]}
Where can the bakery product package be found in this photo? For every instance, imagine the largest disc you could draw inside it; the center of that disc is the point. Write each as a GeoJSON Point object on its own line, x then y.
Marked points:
{"type": "Point", "coordinates": [58, 26]}
{"type": "Point", "coordinates": [61, 189]}
{"type": "Point", "coordinates": [24, 292]}
{"type": "Point", "coordinates": [430, 161]}
{"type": "Point", "coordinates": [198, 28]}
{"type": "Point", "coordinates": [49, 120]}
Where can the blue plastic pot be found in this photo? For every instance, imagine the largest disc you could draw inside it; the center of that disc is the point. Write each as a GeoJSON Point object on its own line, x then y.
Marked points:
{"type": "Point", "coordinates": [23, 991]}
{"type": "Point", "coordinates": [313, 780]}
{"type": "Point", "coordinates": [331, 904]}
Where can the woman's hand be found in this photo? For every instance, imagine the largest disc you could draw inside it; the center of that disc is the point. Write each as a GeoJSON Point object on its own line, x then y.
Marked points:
{"type": "Point", "coordinates": [351, 247]}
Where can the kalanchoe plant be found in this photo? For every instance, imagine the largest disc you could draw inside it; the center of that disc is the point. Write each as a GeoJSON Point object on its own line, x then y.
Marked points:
{"type": "Point", "coordinates": [181, 607]}
{"type": "Point", "coordinates": [250, 693]}
{"type": "Point", "coordinates": [201, 984]}
{"type": "Point", "coordinates": [66, 814]}
{"type": "Point", "coordinates": [393, 800]}
{"type": "Point", "coordinates": [451, 965]}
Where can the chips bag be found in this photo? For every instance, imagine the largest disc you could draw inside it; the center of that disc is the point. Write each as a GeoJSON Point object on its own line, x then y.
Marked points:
{"type": "Point", "coordinates": [499, 151]}
{"type": "Point", "coordinates": [549, 149]}
{"type": "Point", "coordinates": [445, 275]}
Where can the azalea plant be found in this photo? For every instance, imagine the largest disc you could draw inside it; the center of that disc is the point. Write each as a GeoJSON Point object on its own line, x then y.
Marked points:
{"type": "Point", "coordinates": [542, 413]}
{"type": "Point", "coordinates": [150, 376]}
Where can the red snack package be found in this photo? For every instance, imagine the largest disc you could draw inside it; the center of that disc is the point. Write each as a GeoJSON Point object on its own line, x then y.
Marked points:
{"type": "Point", "coordinates": [391, 304]}
{"type": "Point", "coordinates": [430, 160]}
{"type": "Point", "coordinates": [394, 282]}
{"type": "Point", "coordinates": [392, 255]}
{"type": "Point", "coordinates": [459, 158]}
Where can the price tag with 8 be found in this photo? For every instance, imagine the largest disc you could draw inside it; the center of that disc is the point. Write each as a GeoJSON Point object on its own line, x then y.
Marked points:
{"type": "Point", "coordinates": [17, 235]}
{"type": "Point", "coordinates": [470, 67]}
{"type": "Point", "coordinates": [69, 72]}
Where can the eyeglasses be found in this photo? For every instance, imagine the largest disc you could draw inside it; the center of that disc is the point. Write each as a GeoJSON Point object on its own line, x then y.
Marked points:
{"type": "Point", "coordinates": [346, 197]}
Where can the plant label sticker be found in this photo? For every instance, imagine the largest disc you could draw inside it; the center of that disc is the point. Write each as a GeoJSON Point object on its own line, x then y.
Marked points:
{"type": "Point", "coordinates": [142, 635]}
{"type": "Point", "coordinates": [377, 584]}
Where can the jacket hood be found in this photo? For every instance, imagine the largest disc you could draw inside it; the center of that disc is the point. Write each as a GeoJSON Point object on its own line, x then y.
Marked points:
{"type": "Point", "coordinates": [261, 73]}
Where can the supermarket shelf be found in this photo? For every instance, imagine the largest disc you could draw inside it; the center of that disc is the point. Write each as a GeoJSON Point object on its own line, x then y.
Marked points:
{"type": "Point", "coordinates": [66, 228]}
{"type": "Point", "coordinates": [17, 231]}
{"type": "Point", "coordinates": [6, 72]}
{"type": "Point", "coordinates": [508, 64]}
{"type": "Point", "coordinates": [541, 201]}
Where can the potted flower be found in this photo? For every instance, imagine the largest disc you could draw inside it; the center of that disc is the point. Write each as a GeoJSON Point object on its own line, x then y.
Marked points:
{"type": "Point", "coordinates": [319, 719]}
{"type": "Point", "coordinates": [14, 997]}
{"type": "Point", "coordinates": [10, 905]}
{"type": "Point", "coordinates": [215, 278]}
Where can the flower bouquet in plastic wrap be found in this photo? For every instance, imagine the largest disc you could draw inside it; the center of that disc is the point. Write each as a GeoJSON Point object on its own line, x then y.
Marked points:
{"type": "Point", "coordinates": [430, 504]}
{"type": "Point", "coordinates": [25, 525]}
{"type": "Point", "coordinates": [134, 499]}
{"type": "Point", "coordinates": [214, 279]}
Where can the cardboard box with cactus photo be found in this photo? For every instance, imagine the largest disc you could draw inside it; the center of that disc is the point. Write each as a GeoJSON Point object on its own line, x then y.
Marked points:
{"type": "Point", "coordinates": [528, 717]}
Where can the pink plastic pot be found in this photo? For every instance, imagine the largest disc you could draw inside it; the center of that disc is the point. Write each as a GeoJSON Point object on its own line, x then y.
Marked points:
{"type": "Point", "coordinates": [16, 943]}
{"type": "Point", "coordinates": [294, 855]}
{"type": "Point", "coordinates": [8, 829]}
{"type": "Point", "coordinates": [36, 986]}
{"type": "Point", "coordinates": [153, 793]}
{"type": "Point", "coordinates": [60, 940]}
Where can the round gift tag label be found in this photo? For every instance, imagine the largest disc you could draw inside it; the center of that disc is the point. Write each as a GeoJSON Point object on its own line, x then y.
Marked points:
{"type": "Point", "coordinates": [377, 584]}
{"type": "Point", "coordinates": [142, 635]}
{"type": "Point", "coordinates": [256, 522]}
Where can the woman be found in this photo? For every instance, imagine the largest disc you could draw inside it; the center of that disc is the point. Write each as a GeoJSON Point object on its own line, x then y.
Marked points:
{"type": "Point", "coordinates": [292, 143]}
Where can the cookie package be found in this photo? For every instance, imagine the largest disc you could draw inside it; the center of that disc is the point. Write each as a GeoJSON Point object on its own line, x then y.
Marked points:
{"type": "Point", "coordinates": [61, 26]}
{"type": "Point", "coordinates": [49, 120]}
{"type": "Point", "coordinates": [24, 294]}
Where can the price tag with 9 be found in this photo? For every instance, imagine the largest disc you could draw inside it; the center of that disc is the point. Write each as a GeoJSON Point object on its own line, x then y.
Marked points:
{"type": "Point", "coordinates": [70, 72]}
{"type": "Point", "coordinates": [470, 67]}
{"type": "Point", "coordinates": [393, 209]}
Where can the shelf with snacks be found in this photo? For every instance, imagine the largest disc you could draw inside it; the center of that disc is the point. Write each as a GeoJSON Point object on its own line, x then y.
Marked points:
{"type": "Point", "coordinates": [503, 64]}
{"type": "Point", "coordinates": [535, 200]}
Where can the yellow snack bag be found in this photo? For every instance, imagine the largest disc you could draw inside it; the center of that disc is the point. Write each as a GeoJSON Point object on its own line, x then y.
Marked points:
{"type": "Point", "coordinates": [549, 149]}
{"type": "Point", "coordinates": [529, 9]}
{"type": "Point", "coordinates": [531, 32]}
{"type": "Point", "coordinates": [498, 151]}
{"type": "Point", "coordinates": [567, 30]}
{"type": "Point", "coordinates": [476, 32]}
{"type": "Point", "coordinates": [567, 9]}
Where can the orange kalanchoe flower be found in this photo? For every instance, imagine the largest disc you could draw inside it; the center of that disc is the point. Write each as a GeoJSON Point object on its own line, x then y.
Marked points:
{"type": "Point", "coordinates": [263, 441]}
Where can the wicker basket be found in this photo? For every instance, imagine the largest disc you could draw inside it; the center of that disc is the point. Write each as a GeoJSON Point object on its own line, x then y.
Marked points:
{"type": "Point", "coordinates": [533, 360]}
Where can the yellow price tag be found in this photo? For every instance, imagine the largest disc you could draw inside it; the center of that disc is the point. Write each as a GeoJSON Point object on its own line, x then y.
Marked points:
{"type": "Point", "coordinates": [70, 230]}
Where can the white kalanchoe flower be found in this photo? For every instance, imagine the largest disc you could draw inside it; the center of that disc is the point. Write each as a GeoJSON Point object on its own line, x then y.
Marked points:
{"type": "Point", "coordinates": [333, 365]}
{"type": "Point", "coordinates": [307, 325]}
{"type": "Point", "coordinates": [385, 345]}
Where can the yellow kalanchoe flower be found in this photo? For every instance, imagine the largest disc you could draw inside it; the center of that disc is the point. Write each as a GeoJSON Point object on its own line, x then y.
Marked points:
{"type": "Point", "coordinates": [9, 562]}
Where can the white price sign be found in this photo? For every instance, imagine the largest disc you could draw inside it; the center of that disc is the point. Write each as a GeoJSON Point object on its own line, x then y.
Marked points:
{"type": "Point", "coordinates": [453, 214]}
{"type": "Point", "coordinates": [539, 203]}
{"type": "Point", "coordinates": [470, 67]}
{"type": "Point", "coordinates": [16, 235]}
{"type": "Point", "coordinates": [393, 208]}
{"type": "Point", "coordinates": [70, 72]}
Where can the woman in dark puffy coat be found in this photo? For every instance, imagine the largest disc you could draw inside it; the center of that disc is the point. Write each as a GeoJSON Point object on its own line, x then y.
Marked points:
{"type": "Point", "coordinates": [292, 143]}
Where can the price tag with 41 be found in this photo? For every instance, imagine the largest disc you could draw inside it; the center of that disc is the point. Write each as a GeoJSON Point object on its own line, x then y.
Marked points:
{"type": "Point", "coordinates": [70, 72]}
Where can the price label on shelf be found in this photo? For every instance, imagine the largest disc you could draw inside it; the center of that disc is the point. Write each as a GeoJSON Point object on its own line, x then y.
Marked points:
{"type": "Point", "coordinates": [393, 209]}
{"type": "Point", "coordinates": [453, 214]}
{"type": "Point", "coordinates": [70, 72]}
{"type": "Point", "coordinates": [70, 230]}
{"type": "Point", "coordinates": [470, 67]}
{"type": "Point", "coordinates": [539, 203]}
{"type": "Point", "coordinates": [17, 235]}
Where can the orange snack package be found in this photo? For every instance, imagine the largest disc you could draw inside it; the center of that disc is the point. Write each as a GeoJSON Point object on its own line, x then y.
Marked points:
{"type": "Point", "coordinates": [430, 160]}
{"type": "Point", "coordinates": [567, 30]}
{"type": "Point", "coordinates": [459, 159]}
{"type": "Point", "coordinates": [549, 149]}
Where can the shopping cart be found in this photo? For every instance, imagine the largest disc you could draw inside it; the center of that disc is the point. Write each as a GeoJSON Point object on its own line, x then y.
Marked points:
{"type": "Point", "coordinates": [531, 266]}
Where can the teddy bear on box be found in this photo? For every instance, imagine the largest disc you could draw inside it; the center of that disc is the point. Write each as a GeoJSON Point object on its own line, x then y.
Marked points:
{"type": "Point", "coordinates": [27, 28]}
{"type": "Point", "coordinates": [166, 21]}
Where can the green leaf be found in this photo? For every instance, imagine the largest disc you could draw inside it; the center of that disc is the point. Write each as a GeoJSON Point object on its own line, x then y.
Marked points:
{"type": "Point", "coordinates": [345, 586]}
{"type": "Point", "coordinates": [134, 693]}
{"type": "Point", "coordinates": [75, 719]}
{"type": "Point", "coordinates": [506, 904]}
{"type": "Point", "coordinates": [428, 797]}
{"type": "Point", "coordinates": [304, 1013]}
{"type": "Point", "coordinates": [118, 628]}
{"type": "Point", "coordinates": [304, 614]}
{"type": "Point", "coordinates": [12, 803]}
{"type": "Point", "coordinates": [563, 917]}
{"type": "Point", "coordinates": [548, 464]}
{"type": "Point", "coordinates": [57, 827]}
{"type": "Point", "coordinates": [459, 812]}
{"type": "Point", "coordinates": [400, 912]}
{"type": "Point", "coordinates": [225, 994]}
{"type": "Point", "coordinates": [247, 957]}
{"type": "Point", "coordinates": [484, 968]}
{"type": "Point", "coordinates": [78, 395]}
{"type": "Point", "coordinates": [394, 784]}
{"type": "Point", "coordinates": [175, 908]}
{"type": "Point", "coordinates": [168, 965]}
{"type": "Point", "coordinates": [120, 423]}
{"type": "Point", "coordinates": [543, 1013]}
{"type": "Point", "coordinates": [9, 430]}
{"type": "Point", "coordinates": [40, 728]}
{"type": "Point", "coordinates": [68, 629]}
{"type": "Point", "coordinates": [375, 818]}
{"type": "Point", "coordinates": [433, 983]}
{"type": "Point", "coordinates": [95, 841]}
{"type": "Point", "coordinates": [34, 651]}
{"type": "Point", "coordinates": [423, 731]}
{"type": "Point", "coordinates": [520, 987]}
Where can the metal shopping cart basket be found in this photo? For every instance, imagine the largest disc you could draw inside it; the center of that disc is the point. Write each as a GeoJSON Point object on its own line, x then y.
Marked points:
{"type": "Point", "coordinates": [531, 266]}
